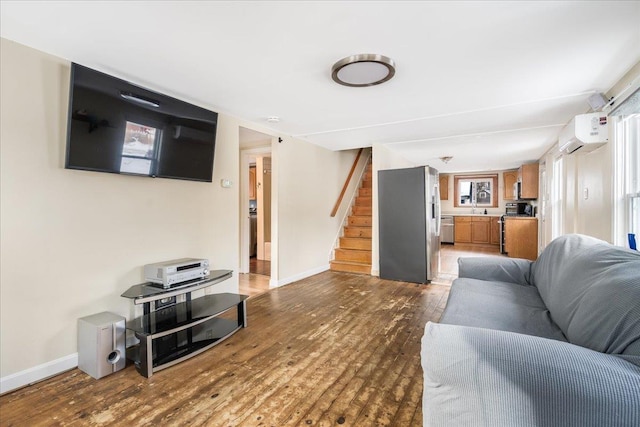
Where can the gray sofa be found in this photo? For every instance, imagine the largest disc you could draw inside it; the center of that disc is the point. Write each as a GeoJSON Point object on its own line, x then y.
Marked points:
{"type": "Point", "coordinates": [554, 342]}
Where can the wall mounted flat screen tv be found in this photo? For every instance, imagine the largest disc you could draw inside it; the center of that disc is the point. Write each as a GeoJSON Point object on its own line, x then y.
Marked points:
{"type": "Point", "coordinates": [118, 127]}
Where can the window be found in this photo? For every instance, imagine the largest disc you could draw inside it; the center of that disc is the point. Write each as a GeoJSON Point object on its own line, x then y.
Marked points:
{"type": "Point", "coordinates": [476, 191]}
{"type": "Point", "coordinates": [626, 178]}
{"type": "Point", "coordinates": [557, 198]}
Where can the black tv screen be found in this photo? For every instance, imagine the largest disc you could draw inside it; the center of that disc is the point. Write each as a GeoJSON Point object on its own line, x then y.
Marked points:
{"type": "Point", "coordinates": [118, 127]}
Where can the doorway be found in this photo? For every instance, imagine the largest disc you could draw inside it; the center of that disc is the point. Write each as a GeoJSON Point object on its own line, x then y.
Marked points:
{"type": "Point", "coordinates": [260, 215]}
{"type": "Point", "coordinates": [256, 248]}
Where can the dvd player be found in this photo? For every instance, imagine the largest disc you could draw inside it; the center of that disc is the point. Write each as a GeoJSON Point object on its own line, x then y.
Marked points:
{"type": "Point", "coordinates": [169, 273]}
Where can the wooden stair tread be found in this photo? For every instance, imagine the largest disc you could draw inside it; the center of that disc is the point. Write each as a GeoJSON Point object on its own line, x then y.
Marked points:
{"type": "Point", "coordinates": [351, 267]}
{"type": "Point", "coordinates": [363, 251]}
{"type": "Point", "coordinates": [357, 231]}
{"type": "Point", "coordinates": [361, 211]}
{"type": "Point", "coordinates": [357, 255]}
{"type": "Point", "coordinates": [361, 243]}
{"type": "Point", "coordinates": [363, 201]}
{"type": "Point", "coordinates": [351, 263]}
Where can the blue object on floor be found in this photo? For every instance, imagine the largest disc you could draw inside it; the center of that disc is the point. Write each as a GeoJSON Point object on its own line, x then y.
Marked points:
{"type": "Point", "coordinates": [632, 241]}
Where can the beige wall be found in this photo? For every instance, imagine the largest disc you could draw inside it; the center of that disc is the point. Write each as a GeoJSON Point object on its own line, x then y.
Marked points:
{"type": "Point", "coordinates": [74, 241]}
{"type": "Point", "coordinates": [594, 195]}
{"type": "Point", "coordinates": [307, 181]}
{"type": "Point", "coordinates": [587, 213]}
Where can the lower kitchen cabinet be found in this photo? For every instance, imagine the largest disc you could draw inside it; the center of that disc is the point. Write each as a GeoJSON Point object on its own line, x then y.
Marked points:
{"type": "Point", "coordinates": [475, 229]}
{"type": "Point", "coordinates": [495, 230]}
{"type": "Point", "coordinates": [521, 237]}
{"type": "Point", "coordinates": [480, 227]}
{"type": "Point", "coordinates": [462, 230]}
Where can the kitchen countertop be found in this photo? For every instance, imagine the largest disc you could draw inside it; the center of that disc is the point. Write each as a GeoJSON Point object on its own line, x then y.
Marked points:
{"type": "Point", "coordinates": [465, 214]}
{"type": "Point", "coordinates": [491, 215]}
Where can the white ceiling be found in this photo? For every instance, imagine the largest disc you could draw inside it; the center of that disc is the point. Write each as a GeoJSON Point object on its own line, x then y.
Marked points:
{"type": "Point", "coordinates": [490, 83]}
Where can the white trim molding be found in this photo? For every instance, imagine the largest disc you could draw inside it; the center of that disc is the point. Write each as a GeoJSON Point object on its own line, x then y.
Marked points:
{"type": "Point", "coordinates": [300, 276]}
{"type": "Point", "coordinates": [38, 373]}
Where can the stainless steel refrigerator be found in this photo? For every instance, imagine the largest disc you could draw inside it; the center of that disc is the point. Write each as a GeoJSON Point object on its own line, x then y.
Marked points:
{"type": "Point", "coordinates": [409, 224]}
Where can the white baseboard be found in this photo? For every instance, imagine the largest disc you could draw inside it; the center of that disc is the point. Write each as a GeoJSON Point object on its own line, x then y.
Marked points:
{"type": "Point", "coordinates": [38, 373]}
{"type": "Point", "coordinates": [303, 275]}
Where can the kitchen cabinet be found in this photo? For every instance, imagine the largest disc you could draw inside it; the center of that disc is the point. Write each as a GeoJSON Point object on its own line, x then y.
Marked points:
{"type": "Point", "coordinates": [252, 183]}
{"type": "Point", "coordinates": [462, 230]}
{"type": "Point", "coordinates": [509, 178]}
{"type": "Point", "coordinates": [475, 229]}
{"type": "Point", "coordinates": [444, 187]}
{"type": "Point", "coordinates": [521, 237]}
{"type": "Point", "coordinates": [495, 230]}
{"type": "Point", "coordinates": [480, 227]}
{"type": "Point", "coordinates": [528, 178]}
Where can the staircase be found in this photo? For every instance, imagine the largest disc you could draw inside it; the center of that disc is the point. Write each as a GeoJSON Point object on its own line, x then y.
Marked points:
{"type": "Point", "coordinates": [354, 252]}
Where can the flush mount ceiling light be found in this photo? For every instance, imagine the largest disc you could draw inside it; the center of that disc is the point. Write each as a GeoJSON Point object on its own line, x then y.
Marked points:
{"type": "Point", "coordinates": [362, 70]}
{"type": "Point", "coordinates": [446, 159]}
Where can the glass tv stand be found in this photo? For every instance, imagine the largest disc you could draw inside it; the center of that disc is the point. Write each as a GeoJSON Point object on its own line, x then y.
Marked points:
{"type": "Point", "coordinates": [175, 327]}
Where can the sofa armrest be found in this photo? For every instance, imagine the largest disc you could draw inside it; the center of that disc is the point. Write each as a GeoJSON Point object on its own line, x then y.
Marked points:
{"type": "Point", "coordinates": [483, 377]}
{"type": "Point", "coordinates": [499, 269]}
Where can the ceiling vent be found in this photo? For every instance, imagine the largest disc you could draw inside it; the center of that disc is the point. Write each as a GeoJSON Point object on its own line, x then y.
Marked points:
{"type": "Point", "coordinates": [586, 132]}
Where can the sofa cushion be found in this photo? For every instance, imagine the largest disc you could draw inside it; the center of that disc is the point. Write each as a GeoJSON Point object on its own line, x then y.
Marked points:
{"type": "Point", "coordinates": [499, 305]}
{"type": "Point", "coordinates": [481, 377]}
{"type": "Point", "coordinates": [592, 290]}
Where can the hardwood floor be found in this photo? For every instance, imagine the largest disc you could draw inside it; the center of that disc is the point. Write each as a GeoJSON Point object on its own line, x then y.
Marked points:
{"type": "Point", "coordinates": [258, 266]}
{"type": "Point", "coordinates": [335, 348]}
{"type": "Point", "coordinates": [449, 254]}
{"type": "Point", "coordinates": [253, 284]}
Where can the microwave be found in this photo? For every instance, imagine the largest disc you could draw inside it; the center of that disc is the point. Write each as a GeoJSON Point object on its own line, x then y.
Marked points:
{"type": "Point", "coordinates": [517, 190]}
{"type": "Point", "coordinates": [519, 209]}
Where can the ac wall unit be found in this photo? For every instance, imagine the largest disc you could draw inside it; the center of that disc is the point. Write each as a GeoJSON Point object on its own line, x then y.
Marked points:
{"type": "Point", "coordinates": [584, 131]}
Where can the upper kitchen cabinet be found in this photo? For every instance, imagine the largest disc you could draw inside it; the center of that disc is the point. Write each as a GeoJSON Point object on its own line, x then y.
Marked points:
{"type": "Point", "coordinates": [444, 187]}
{"type": "Point", "coordinates": [509, 178]}
{"type": "Point", "coordinates": [528, 178]}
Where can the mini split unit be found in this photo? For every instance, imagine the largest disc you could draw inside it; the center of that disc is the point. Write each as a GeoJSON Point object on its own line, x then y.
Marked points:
{"type": "Point", "coordinates": [586, 132]}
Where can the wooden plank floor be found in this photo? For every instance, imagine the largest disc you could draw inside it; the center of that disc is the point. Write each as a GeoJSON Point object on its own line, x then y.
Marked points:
{"type": "Point", "coordinates": [336, 348]}
{"type": "Point", "coordinates": [253, 284]}
{"type": "Point", "coordinates": [259, 266]}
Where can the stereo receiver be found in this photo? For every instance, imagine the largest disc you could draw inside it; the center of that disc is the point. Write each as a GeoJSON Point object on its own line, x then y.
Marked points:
{"type": "Point", "coordinates": [169, 273]}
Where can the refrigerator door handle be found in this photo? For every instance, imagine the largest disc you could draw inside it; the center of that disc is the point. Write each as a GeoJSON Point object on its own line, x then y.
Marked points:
{"type": "Point", "coordinates": [433, 208]}
{"type": "Point", "coordinates": [437, 207]}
